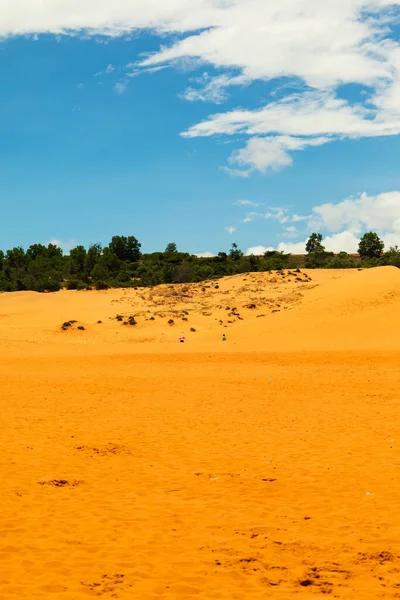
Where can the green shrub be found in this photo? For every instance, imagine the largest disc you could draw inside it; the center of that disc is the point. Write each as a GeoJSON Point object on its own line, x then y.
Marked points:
{"type": "Point", "coordinates": [341, 261]}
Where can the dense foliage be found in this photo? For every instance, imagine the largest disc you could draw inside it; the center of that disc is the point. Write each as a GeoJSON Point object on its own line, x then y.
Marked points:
{"type": "Point", "coordinates": [121, 264]}
{"type": "Point", "coordinates": [370, 246]}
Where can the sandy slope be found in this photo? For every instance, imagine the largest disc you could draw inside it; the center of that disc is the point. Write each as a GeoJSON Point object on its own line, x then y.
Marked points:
{"type": "Point", "coordinates": [322, 310]}
{"type": "Point", "coordinates": [132, 466]}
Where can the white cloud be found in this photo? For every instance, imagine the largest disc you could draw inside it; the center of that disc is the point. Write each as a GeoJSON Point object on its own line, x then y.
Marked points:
{"type": "Point", "coordinates": [319, 44]}
{"type": "Point", "coordinates": [230, 229]}
{"type": "Point", "coordinates": [380, 212]}
{"type": "Point", "coordinates": [297, 218]}
{"type": "Point", "coordinates": [80, 86]}
{"type": "Point", "coordinates": [66, 245]}
{"type": "Point", "coordinates": [296, 123]}
{"type": "Point", "coordinates": [290, 232]}
{"type": "Point", "coordinates": [136, 72]}
{"type": "Point", "coordinates": [253, 216]}
{"type": "Point", "coordinates": [345, 241]}
{"type": "Point", "coordinates": [344, 222]}
{"type": "Point", "coordinates": [102, 17]}
{"type": "Point", "coordinates": [258, 250]}
{"type": "Point", "coordinates": [312, 113]}
{"type": "Point", "coordinates": [292, 247]}
{"type": "Point", "coordinates": [120, 88]}
{"type": "Point", "coordinates": [109, 69]}
{"type": "Point", "coordinates": [280, 214]}
{"type": "Point", "coordinates": [236, 172]}
{"type": "Point", "coordinates": [262, 153]}
{"type": "Point", "coordinates": [391, 239]}
{"type": "Point", "coordinates": [205, 255]}
{"type": "Point", "coordinates": [246, 203]}
{"type": "Point", "coordinates": [212, 89]}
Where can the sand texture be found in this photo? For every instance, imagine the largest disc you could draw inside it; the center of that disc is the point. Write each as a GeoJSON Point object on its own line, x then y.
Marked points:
{"type": "Point", "coordinates": [133, 466]}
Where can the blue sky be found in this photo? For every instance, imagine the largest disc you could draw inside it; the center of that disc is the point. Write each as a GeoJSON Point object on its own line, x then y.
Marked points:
{"type": "Point", "coordinates": [167, 130]}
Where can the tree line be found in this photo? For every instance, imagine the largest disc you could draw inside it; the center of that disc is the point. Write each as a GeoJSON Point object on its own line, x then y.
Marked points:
{"type": "Point", "coordinates": [44, 268]}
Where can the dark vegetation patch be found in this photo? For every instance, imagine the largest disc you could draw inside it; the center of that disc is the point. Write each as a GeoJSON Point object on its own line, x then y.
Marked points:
{"type": "Point", "coordinates": [59, 483]}
{"type": "Point", "coordinates": [68, 324]}
{"type": "Point", "coordinates": [121, 264]}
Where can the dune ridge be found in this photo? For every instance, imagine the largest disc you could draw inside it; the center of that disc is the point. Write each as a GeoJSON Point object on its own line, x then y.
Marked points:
{"type": "Point", "coordinates": [283, 311]}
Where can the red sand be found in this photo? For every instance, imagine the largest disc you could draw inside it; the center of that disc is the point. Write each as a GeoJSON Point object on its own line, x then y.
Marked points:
{"type": "Point", "coordinates": [133, 466]}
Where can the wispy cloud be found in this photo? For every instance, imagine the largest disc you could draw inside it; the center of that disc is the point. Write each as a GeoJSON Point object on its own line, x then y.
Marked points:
{"type": "Point", "coordinates": [290, 232]}
{"type": "Point", "coordinates": [253, 216]}
{"type": "Point", "coordinates": [135, 72]}
{"type": "Point", "coordinates": [246, 203]}
{"type": "Point", "coordinates": [120, 87]}
{"type": "Point", "coordinates": [212, 89]}
{"type": "Point", "coordinates": [297, 218]}
{"type": "Point", "coordinates": [230, 229]}
{"type": "Point", "coordinates": [236, 172]}
{"type": "Point", "coordinates": [280, 214]}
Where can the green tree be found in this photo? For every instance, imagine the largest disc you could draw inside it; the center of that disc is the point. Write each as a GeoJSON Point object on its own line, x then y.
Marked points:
{"type": "Point", "coordinates": [77, 261]}
{"type": "Point", "coordinates": [371, 245]}
{"type": "Point", "coordinates": [100, 273]}
{"type": "Point", "coordinates": [125, 248]}
{"type": "Point", "coordinates": [36, 251]}
{"type": "Point", "coordinates": [16, 258]}
{"type": "Point", "coordinates": [314, 243]}
{"type": "Point", "coordinates": [42, 276]}
{"type": "Point", "coordinates": [92, 257]}
{"type": "Point", "coordinates": [111, 260]}
{"type": "Point", "coordinates": [235, 253]}
{"type": "Point", "coordinates": [54, 251]}
{"type": "Point", "coordinates": [6, 285]}
{"type": "Point", "coordinates": [171, 248]}
{"type": "Point", "coordinates": [16, 263]}
{"type": "Point", "coordinates": [254, 263]}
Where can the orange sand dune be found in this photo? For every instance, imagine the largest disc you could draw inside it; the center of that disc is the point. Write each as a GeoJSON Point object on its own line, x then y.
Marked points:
{"type": "Point", "coordinates": [133, 466]}
{"type": "Point", "coordinates": [321, 310]}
